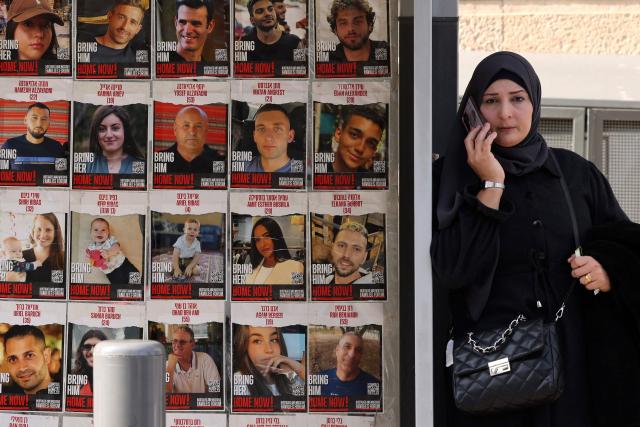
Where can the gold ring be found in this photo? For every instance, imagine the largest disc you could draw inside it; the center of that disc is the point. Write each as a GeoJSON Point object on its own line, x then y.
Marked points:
{"type": "Point", "coordinates": [588, 278]}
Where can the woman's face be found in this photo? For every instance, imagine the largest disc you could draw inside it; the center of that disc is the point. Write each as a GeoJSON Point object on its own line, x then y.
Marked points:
{"type": "Point", "coordinates": [87, 349]}
{"type": "Point", "coordinates": [264, 242]}
{"type": "Point", "coordinates": [111, 134]}
{"type": "Point", "coordinates": [508, 109]}
{"type": "Point", "coordinates": [43, 232]}
{"type": "Point", "coordinates": [264, 344]}
{"type": "Point", "coordinates": [34, 37]}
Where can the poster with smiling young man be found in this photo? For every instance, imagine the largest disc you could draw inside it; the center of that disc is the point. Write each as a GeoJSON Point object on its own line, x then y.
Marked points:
{"type": "Point", "coordinates": [33, 334]}
{"type": "Point", "coordinates": [268, 127]}
{"type": "Point", "coordinates": [352, 38]}
{"type": "Point", "coordinates": [348, 245]}
{"type": "Point", "coordinates": [113, 39]}
{"type": "Point", "coordinates": [270, 42]}
{"type": "Point", "coordinates": [192, 38]}
{"type": "Point", "coordinates": [351, 145]}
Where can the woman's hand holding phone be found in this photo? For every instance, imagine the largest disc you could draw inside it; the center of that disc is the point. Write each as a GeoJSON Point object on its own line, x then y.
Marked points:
{"type": "Point", "coordinates": [479, 156]}
{"type": "Point", "coordinates": [484, 163]}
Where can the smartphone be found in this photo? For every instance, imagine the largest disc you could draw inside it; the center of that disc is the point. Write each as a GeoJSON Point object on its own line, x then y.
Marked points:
{"type": "Point", "coordinates": [471, 116]}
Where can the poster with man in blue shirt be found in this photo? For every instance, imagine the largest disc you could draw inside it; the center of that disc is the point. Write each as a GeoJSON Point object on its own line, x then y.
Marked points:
{"type": "Point", "coordinates": [347, 379]}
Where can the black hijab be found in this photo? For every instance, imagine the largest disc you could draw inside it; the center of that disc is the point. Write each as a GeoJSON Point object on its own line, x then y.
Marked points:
{"type": "Point", "coordinates": [525, 157]}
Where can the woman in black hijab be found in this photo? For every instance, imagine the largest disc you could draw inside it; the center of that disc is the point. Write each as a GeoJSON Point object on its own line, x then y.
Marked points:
{"type": "Point", "coordinates": [502, 239]}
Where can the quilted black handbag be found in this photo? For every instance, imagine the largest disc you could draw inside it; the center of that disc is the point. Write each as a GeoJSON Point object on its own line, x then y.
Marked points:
{"type": "Point", "coordinates": [519, 367]}
{"type": "Point", "coordinates": [523, 369]}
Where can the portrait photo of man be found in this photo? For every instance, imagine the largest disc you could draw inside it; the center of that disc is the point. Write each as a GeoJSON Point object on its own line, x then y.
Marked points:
{"type": "Point", "coordinates": [27, 359]}
{"type": "Point", "coordinates": [116, 44]}
{"type": "Point", "coordinates": [271, 40]}
{"type": "Point", "coordinates": [272, 135]}
{"type": "Point", "coordinates": [35, 150]}
{"type": "Point", "coordinates": [347, 378]}
{"type": "Point", "coordinates": [194, 21]}
{"type": "Point", "coordinates": [352, 21]}
{"type": "Point", "coordinates": [189, 371]}
{"type": "Point", "coordinates": [191, 151]}
{"type": "Point", "coordinates": [358, 136]}
{"type": "Point", "coordinates": [348, 254]}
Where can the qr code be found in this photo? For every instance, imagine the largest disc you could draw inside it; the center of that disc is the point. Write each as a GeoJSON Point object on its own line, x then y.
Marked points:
{"type": "Point", "coordinates": [300, 54]}
{"type": "Point", "coordinates": [378, 277]}
{"type": "Point", "coordinates": [216, 277]}
{"type": "Point", "coordinates": [142, 56]}
{"type": "Point", "coordinates": [61, 164]}
{"type": "Point", "coordinates": [135, 277]}
{"type": "Point", "coordinates": [217, 167]}
{"type": "Point", "coordinates": [57, 276]}
{"type": "Point", "coordinates": [297, 278]}
{"type": "Point", "coordinates": [379, 166]}
{"type": "Point", "coordinates": [53, 388]}
{"type": "Point", "coordinates": [63, 53]}
{"type": "Point", "coordinates": [137, 167]}
{"type": "Point", "coordinates": [381, 54]}
{"type": "Point", "coordinates": [297, 166]}
{"type": "Point", "coordinates": [297, 389]}
{"type": "Point", "coordinates": [373, 389]}
{"type": "Point", "coordinates": [221, 54]}
{"type": "Point", "coordinates": [213, 386]}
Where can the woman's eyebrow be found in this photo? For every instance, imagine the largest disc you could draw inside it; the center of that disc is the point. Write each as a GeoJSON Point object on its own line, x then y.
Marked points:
{"type": "Point", "coordinates": [510, 93]}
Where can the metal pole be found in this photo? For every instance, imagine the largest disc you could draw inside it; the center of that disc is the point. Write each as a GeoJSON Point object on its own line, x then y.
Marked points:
{"type": "Point", "coordinates": [128, 379]}
{"type": "Point", "coordinates": [422, 213]}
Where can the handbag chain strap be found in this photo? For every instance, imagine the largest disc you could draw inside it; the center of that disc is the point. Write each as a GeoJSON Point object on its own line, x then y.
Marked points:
{"type": "Point", "coordinates": [521, 318]}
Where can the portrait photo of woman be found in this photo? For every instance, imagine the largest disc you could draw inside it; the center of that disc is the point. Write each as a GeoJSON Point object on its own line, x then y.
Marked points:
{"type": "Point", "coordinates": [262, 353]}
{"type": "Point", "coordinates": [32, 25]}
{"type": "Point", "coordinates": [270, 258]}
{"type": "Point", "coordinates": [112, 142]}
{"type": "Point", "coordinates": [83, 364]}
{"type": "Point", "coordinates": [47, 239]}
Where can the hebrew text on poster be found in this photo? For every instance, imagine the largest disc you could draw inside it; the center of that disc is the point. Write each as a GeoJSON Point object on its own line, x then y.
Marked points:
{"type": "Point", "coordinates": [89, 324]}
{"type": "Point", "coordinates": [107, 245]}
{"type": "Point", "coordinates": [269, 352]}
{"type": "Point", "coordinates": [268, 128]}
{"type": "Point", "coordinates": [110, 135]}
{"type": "Point", "coordinates": [348, 245]}
{"type": "Point", "coordinates": [188, 244]}
{"type": "Point", "coordinates": [351, 145]}
{"type": "Point", "coordinates": [345, 357]}
{"type": "Point", "coordinates": [190, 134]}
{"type": "Point", "coordinates": [192, 333]}
{"type": "Point", "coordinates": [33, 230]}
{"type": "Point", "coordinates": [33, 334]}
{"type": "Point", "coordinates": [268, 236]}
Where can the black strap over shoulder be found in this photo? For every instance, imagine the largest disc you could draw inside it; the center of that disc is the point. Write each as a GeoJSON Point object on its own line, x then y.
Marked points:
{"type": "Point", "coordinates": [574, 224]}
